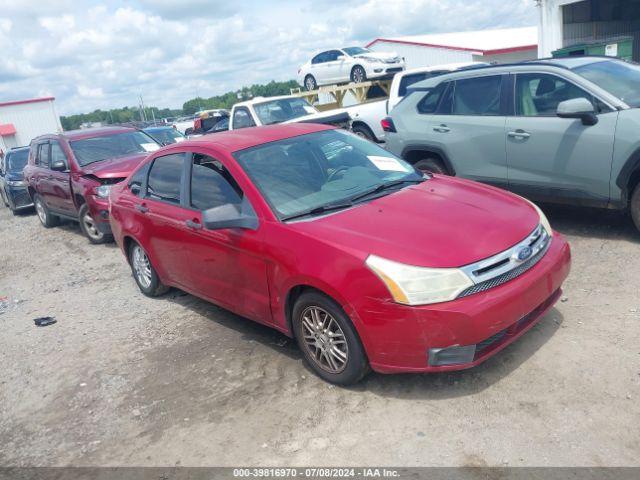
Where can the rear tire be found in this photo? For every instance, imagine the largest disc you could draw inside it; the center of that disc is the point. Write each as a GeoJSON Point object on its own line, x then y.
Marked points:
{"type": "Point", "coordinates": [47, 219]}
{"type": "Point", "coordinates": [634, 206]}
{"type": "Point", "coordinates": [328, 340]}
{"type": "Point", "coordinates": [364, 132]}
{"type": "Point", "coordinates": [310, 83]}
{"type": "Point", "coordinates": [431, 165]}
{"type": "Point", "coordinates": [143, 272]}
{"type": "Point", "coordinates": [89, 227]}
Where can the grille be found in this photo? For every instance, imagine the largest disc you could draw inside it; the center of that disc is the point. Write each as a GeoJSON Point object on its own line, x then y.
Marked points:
{"type": "Point", "coordinates": [394, 70]}
{"type": "Point", "coordinates": [505, 277]}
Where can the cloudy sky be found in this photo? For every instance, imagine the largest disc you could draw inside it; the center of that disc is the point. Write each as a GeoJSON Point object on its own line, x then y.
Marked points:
{"type": "Point", "coordinates": [91, 54]}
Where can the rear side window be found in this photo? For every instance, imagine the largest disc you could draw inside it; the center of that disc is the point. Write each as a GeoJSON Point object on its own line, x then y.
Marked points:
{"type": "Point", "coordinates": [477, 96]}
{"type": "Point", "coordinates": [242, 119]}
{"type": "Point", "coordinates": [165, 178]}
{"type": "Point", "coordinates": [212, 185]}
{"type": "Point", "coordinates": [433, 98]}
{"type": "Point", "coordinates": [408, 80]}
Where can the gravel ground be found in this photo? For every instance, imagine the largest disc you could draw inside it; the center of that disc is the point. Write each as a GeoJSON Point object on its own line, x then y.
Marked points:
{"type": "Point", "coordinates": [121, 379]}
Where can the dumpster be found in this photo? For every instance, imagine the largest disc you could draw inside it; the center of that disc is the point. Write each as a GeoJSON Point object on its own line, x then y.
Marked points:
{"type": "Point", "coordinates": [621, 47]}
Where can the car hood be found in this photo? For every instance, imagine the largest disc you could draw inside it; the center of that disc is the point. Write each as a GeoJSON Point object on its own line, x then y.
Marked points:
{"type": "Point", "coordinates": [119, 167]}
{"type": "Point", "coordinates": [379, 55]}
{"type": "Point", "coordinates": [440, 223]}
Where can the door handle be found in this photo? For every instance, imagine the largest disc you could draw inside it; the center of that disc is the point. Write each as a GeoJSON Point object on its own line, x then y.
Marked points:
{"type": "Point", "coordinates": [142, 208]}
{"type": "Point", "coordinates": [519, 134]}
{"type": "Point", "coordinates": [441, 129]}
{"type": "Point", "coordinates": [193, 224]}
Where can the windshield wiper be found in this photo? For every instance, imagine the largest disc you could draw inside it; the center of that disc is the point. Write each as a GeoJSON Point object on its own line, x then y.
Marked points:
{"type": "Point", "coordinates": [382, 187]}
{"type": "Point", "coordinates": [319, 210]}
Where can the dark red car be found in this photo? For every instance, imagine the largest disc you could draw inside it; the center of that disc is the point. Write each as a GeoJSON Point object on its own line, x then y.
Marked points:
{"type": "Point", "coordinates": [336, 242]}
{"type": "Point", "coordinates": [69, 175]}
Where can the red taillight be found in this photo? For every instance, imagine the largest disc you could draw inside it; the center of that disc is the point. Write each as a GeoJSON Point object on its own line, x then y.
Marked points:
{"type": "Point", "coordinates": [387, 125]}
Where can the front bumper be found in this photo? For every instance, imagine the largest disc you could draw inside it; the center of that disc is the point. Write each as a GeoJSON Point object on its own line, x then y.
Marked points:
{"type": "Point", "coordinates": [400, 338]}
{"type": "Point", "coordinates": [19, 197]}
{"type": "Point", "coordinates": [99, 208]}
{"type": "Point", "coordinates": [381, 70]}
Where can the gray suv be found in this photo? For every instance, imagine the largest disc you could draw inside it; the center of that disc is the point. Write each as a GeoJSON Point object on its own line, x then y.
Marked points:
{"type": "Point", "coordinates": [557, 130]}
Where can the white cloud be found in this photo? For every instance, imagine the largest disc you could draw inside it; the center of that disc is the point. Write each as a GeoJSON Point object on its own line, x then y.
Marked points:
{"type": "Point", "coordinates": [100, 55]}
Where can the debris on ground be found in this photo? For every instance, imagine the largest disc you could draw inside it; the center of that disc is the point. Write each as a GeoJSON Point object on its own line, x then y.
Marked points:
{"type": "Point", "coordinates": [44, 321]}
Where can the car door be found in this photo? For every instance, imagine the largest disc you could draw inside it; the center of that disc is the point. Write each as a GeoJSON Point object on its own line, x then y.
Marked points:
{"type": "Point", "coordinates": [558, 158]}
{"type": "Point", "coordinates": [334, 67]}
{"type": "Point", "coordinates": [226, 266]}
{"type": "Point", "coordinates": [465, 120]}
{"type": "Point", "coordinates": [163, 218]}
{"type": "Point", "coordinates": [43, 178]}
{"type": "Point", "coordinates": [318, 68]}
{"type": "Point", "coordinates": [58, 182]}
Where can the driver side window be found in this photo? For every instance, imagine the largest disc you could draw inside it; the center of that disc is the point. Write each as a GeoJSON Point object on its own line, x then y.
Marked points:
{"type": "Point", "coordinates": [242, 119]}
{"type": "Point", "coordinates": [212, 185]}
{"type": "Point", "coordinates": [539, 94]}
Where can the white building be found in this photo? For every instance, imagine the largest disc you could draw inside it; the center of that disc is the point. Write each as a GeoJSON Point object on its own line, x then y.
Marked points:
{"type": "Point", "coordinates": [501, 46]}
{"type": "Point", "coordinates": [23, 120]}
{"type": "Point", "coordinates": [569, 22]}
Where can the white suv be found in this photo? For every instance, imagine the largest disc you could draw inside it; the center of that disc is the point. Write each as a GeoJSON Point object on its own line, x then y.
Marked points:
{"type": "Point", "coordinates": [350, 64]}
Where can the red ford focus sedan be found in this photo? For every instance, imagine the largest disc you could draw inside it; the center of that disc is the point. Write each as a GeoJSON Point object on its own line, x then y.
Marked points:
{"type": "Point", "coordinates": [332, 240]}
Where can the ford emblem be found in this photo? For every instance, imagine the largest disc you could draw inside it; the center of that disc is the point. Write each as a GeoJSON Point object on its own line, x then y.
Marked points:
{"type": "Point", "coordinates": [523, 253]}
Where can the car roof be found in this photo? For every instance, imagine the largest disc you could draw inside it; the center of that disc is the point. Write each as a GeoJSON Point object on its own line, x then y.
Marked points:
{"type": "Point", "coordinates": [90, 132]}
{"type": "Point", "coordinates": [447, 66]}
{"type": "Point", "coordinates": [235, 140]}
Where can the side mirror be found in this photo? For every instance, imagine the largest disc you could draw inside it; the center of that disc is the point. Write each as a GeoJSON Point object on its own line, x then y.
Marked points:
{"type": "Point", "coordinates": [59, 166]}
{"type": "Point", "coordinates": [230, 216]}
{"type": "Point", "coordinates": [578, 108]}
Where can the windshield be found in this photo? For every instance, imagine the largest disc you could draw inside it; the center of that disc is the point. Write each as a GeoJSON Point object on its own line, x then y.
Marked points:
{"type": "Point", "coordinates": [17, 160]}
{"type": "Point", "coordinates": [618, 78]}
{"type": "Point", "coordinates": [355, 51]}
{"type": "Point", "coordinates": [321, 169]}
{"type": "Point", "coordinates": [278, 111]}
{"type": "Point", "coordinates": [166, 135]}
{"type": "Point", "coordinates": [96, 149]}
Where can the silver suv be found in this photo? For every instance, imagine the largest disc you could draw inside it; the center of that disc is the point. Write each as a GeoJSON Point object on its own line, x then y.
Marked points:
{"type": "Point", "coordinates": [557, 130]}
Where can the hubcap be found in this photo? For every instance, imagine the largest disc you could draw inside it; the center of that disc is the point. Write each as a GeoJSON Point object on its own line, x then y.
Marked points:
{"type": "Point", "coordinates": [141, 266]}
{"type": "Point", "coordinates": [90, 226]}
{"type": "Point", "coordinates": [310, 84]}
{"type": "Point", "coordinates": [324, 340]}
{"type": "Point", "coordinates": [42, 215]}
{"type": "Point", "coordinates": [358, 75]}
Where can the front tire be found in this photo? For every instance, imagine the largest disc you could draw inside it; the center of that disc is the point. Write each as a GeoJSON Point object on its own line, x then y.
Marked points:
{"type": "Point", "coordinates": [89, 227]}
{"type": "Point", "coordinates": [328, 340]}
{"type": "Point", "coordinates": [431, 165]}
{"type": "Point", "coordinates": [358, 74]}
{"type": "Point", "coordinates": [47, 219]}
{"type": "Point", "coordinates": [143, 272]}
{"type": "Point", "coordinates": [310, 83]}
{"type": "Point", "coordinates": [634, 206]}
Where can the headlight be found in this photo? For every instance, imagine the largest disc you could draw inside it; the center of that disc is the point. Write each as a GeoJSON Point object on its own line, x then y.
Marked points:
{"type": "Point", "coordinates": [103, 191]}
{"type": "Point", "coordinates": [413, 285]}
{"type": "Point", "coordinates": [16, 183]}
{"type": "Point", "coordinates": [543, 218]}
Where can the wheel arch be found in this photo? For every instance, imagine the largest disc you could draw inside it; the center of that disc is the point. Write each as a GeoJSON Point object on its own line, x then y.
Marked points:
{"type": "Point", "coordinates": [360, 123]}
{"type": "Point", "coordinates": [415, 153]}
{"type": "Point", "coordinates": [629, 177]}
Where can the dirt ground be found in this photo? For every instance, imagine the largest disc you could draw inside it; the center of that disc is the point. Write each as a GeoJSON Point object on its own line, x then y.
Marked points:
{"type": "Point", "coordinates": [121, 379]}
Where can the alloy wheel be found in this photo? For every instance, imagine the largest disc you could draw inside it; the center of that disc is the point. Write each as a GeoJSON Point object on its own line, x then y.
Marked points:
{"type": "Point", "coordinates": [90, 227]}
{"type": "Point", "coordinates": [324, 340]}
{"type": "Point", "coordinates": [358, 74]}
{"type": "Point", "coordinates": [141, 266]}
{"type": "Point", "coordinates": [42, 214]}
{"type": "Point", "coordinates": [310, 84]}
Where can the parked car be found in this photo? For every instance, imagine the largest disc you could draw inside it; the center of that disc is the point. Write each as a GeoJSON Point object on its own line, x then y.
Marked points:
{"type": "Point", "coordinates": [182, 124]}
{"type": "Point", "coordinates": [367, 116]}
{"type": "Point", "coordinates": [261, 111]}
{"type": "Point", "coordinates": [558, 130]}
{"type": "Point", "coordinates": [350, 64]}
{"type": "Point", "coordinates": [69, 175]}
{"type": "Point", "coordinates": [13, 188]}
{"type": "Point", "coordinates": [164, 135]}
{"type": "Point", "coordinates": [207, 120]}
{"type": "Point", "coordinates": [332, 240]}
